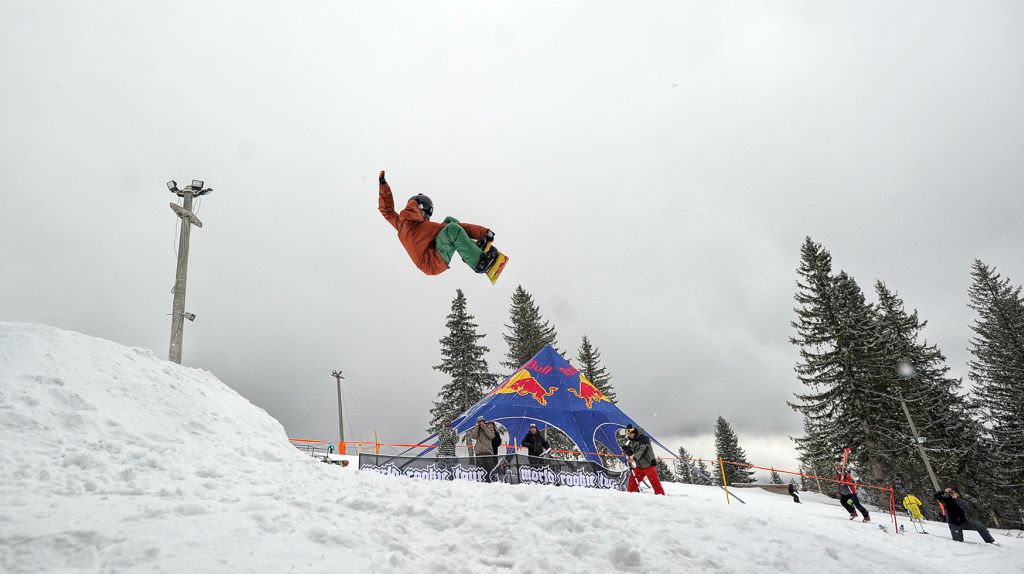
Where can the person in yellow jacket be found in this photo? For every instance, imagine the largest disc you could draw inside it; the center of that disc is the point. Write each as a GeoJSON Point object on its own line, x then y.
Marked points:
{"type": "Point", "coordinates": [913, 506]}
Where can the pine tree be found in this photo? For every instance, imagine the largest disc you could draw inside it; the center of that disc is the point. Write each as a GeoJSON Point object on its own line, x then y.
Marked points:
{"type": "Point", "coordinates": [917, 373]}
{"type": "Point", "coordinates": [704, 474]}
{"type": "Point", "coordinates": [997, 370]}
{"type": "Point", "coordinates": [842, 360]}
{"type": "Point", "coordinates": [686, 472]}
{"type": "Point", "coordinates": [528, 333]}
{"type": "Point", "coordinates": [589, 358]}
{"type": "Point", "coordinates": [776, 478]}
{"type": "Point", "coordinates": [463, 359]}
{"type": "Point", "coordinates": [727, 448]}
{"type": "Point", "coordinates": [664, 473]}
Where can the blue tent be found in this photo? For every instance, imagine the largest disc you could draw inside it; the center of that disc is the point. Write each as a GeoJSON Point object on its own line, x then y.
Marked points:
{"type": "Point", "coordinates": [550, 392]}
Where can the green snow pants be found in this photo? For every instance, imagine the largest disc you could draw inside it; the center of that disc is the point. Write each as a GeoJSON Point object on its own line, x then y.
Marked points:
{"type": "Point", "coordinates": [454, 238]}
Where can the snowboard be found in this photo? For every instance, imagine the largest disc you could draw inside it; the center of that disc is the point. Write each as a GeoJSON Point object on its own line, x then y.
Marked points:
{"type": "Point", "coordinates": [499, 264]}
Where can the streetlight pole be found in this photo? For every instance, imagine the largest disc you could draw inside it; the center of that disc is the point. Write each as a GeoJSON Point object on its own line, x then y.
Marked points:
{"type": "Point", "coordinates": [188, 219]}
{"type": "Point", "coordinates": [907, 371]}
{"type": "Point", "coordinates": [920, 448]}
{"type": "Point", "coordinates": [341, 429]}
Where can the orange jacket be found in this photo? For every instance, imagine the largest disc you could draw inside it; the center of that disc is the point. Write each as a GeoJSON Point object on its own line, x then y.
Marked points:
{"type": "Point", "coordinates": [417, 234]}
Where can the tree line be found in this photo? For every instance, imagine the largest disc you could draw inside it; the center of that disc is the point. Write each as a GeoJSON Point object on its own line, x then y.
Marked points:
{"type": "Point", "coordinates": [866, 367]}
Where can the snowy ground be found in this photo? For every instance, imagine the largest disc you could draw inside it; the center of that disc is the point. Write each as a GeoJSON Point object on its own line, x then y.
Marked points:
{"type": "Point", "coordinates": [114, 460]}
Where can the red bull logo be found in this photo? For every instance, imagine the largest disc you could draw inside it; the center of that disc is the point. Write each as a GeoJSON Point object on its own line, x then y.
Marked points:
{"type": "Point", "coordinates": [534, 366]}
{"type": "Point", "coordinates": [588, 392]}
{"type": "Point", "coordinates": [522, 383]}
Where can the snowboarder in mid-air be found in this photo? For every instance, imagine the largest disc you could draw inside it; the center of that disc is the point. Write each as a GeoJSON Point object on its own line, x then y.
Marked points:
{"type": "Point", "coordinates": [432, 245]}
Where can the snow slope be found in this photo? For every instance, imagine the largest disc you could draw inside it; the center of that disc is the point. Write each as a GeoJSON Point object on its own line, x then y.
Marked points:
{"type": "Point", "coordinates": [113, 460]}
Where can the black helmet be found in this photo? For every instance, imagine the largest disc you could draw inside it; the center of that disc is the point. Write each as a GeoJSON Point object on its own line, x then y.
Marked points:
{"type": "Point", "coordinates": [425, 204]}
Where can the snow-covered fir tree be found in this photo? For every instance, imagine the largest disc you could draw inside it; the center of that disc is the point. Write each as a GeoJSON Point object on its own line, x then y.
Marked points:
{"type": "Point", "coordinates": [841, 361]}
{"type": "Point", "coordinates": [704, 473]}
{"type": "Point", "coordinates": [589, 358]}
{"type": "Point", "coordinates": [527, 333]}
{"type": "Point", "coordinates": [685, 471]}
{"type": "Point", "coordinates": [664, 472]}
{"type": "Point", "coordinates": [727, 448]}
{"type": "Point", "coordinates": [776, 478]}
{"type": "Point", "coordinates": [997, 370]}
{"type": "Point", "coordinates": [918, 374]}
{"type": "Point", "coordinates": [463, 358]}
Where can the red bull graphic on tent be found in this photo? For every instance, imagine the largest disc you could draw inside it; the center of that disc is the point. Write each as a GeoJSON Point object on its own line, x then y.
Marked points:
{"type": "Point", "coordinates": [588, 392]}
{"type": "Point", "coordinates": [549, 392]}
{"type": "Point", "coordinates": [523, 384]}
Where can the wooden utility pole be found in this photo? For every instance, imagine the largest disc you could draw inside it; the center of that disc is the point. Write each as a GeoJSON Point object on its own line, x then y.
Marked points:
{"type": "Point", "coordinates": [341, 428]}
{"type": "Point", "coordinates": [188, 219]}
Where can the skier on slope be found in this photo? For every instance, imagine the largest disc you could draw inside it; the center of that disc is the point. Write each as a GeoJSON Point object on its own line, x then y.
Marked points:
{"type": "Point", "coordinates": [641, 458]}
{"type": "Point", "coordinates": [431, 245]}
{"type": "Point", "coordinates": [793, 492]}
{"type": "Point", "coordinates": [956, 516]}
{"type": "Point", "coordinates": [848, 494]}
{"type": "Point", "coordinates": [913, 505]}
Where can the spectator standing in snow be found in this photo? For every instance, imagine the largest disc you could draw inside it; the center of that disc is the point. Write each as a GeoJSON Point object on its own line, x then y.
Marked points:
{"type": "Point", "coordinates": [641, 459]}
{"type": "Point", "coordinates": [848, 494]}
{"type": "Point", "coordinates": [446, 439]}
{"type": "Point", "coordinates": [792, 492]}
{"type": "Point", "coordinates": [535, 444]}
{"type": "Point", "coordinates": [956, 516]}
{"type": "Point", "coordinates": [479, 440]}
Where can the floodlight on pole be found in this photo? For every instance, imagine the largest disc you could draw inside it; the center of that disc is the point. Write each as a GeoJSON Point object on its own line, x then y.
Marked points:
{"type": "Point", "coordinates": [341, 428]}
{"type": "Point", "coordinates": [188, 219]}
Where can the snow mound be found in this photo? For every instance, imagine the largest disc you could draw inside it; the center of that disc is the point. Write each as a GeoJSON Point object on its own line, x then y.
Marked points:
{"type": "Point", "coordinates": [112, 459]}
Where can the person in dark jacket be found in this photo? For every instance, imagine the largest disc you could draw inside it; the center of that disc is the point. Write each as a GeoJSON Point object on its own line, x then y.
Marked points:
{"type": "Point", "coordinates": [642, 460]}
{"type": "Point", "coordinates": [792, 492]}
{"type": "Point", "coordinates": [848, 494]}
{"type": "Point", "coordinates": [956, 516]}
{"type": "Point", "coordinates": [535, 444]}
{"type": "Point", "coordinates": [496, 441]}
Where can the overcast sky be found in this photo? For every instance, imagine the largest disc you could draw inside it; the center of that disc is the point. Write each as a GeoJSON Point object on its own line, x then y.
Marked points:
{"type": "Point", "coordinates": [651, 170]}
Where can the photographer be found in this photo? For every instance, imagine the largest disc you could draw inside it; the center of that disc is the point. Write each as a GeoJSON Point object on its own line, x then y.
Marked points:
{"type": "Point", "coordinates": [480, 441]}
{"type": "Point", "coordinates": [641, 459]}
{"type": "Point", "coordinates": [956, 516]}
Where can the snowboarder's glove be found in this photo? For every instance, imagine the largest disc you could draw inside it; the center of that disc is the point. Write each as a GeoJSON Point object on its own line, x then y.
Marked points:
{"type": "Point", "coordinates": [381, 178]}
{"type": "Point", "coordinates": [486, 238]}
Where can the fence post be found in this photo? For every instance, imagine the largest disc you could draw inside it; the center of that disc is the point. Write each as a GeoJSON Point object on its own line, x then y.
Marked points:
{"type": "Point", "coordinates": [376, 443]}
{"type": "Point", "coordinates": [892, 510]}
{"type": "Point", "coordinates": [725, 483]}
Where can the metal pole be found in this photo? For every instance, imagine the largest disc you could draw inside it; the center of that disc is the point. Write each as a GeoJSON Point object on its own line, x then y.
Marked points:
{"type": "Point", "coordinates": [341, 429]}
{"type": "Point", "coordinates": [178, 308]}
{"type": "Point", "coordinates": [725, 483]}
{"type": "Point", "coordinates": [920, 449]}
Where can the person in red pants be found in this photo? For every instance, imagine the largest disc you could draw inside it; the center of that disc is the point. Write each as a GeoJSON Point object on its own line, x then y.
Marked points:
{"type": "Point", "coordinates": [641, 460]}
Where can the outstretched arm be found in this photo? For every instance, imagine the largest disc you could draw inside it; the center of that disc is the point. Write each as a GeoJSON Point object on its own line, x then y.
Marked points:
{"type": "Point", "coordinates": [385, 202]}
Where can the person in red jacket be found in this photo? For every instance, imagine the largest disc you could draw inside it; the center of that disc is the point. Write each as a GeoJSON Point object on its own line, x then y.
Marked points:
{"type": "Point", "coordinates": [848, 494]}
{"type": "Point", "coordinates": [432, 245]}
